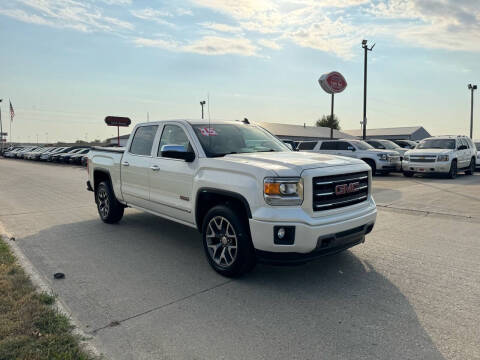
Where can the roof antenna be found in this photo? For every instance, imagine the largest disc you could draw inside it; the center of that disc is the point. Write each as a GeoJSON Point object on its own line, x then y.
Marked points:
{"type": "Point", "coordinates": [245, 121]}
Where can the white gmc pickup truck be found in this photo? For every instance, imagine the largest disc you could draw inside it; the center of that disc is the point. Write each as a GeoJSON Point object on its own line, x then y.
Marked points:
{"type": "Point", "coordinates": [250, 196]}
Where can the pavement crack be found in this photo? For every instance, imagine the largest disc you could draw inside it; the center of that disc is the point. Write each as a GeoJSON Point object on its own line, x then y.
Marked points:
{"type": "Point", "coordinates": [389, 206]}
{"type": "Point", "coordinates": [119, 322]}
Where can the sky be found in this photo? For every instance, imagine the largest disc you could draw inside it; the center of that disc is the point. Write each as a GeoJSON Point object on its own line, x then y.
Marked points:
{"type": "Point", "coordinates": [66, 64]}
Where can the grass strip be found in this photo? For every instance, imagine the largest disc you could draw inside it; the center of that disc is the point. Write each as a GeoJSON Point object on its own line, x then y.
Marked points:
{"type": "Point", "coordinates": [30, 326]}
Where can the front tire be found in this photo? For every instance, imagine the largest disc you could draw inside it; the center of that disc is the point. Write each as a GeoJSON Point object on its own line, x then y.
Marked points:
{"type": "Point", "coordinates": [227, 242]}
{"type": "Point", "coordinates": [452, 174]}
{"type": "Point", "coordinates": [471, 168]}
{"type": "Point", "coordinates": [109, 209]}
{"type": "Point", "coordinates": [372, 165]}
{"type": "Point", "coordinates": [408, 174]}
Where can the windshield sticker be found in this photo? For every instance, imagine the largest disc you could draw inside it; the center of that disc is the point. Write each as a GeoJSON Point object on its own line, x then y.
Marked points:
{"type": "Point", "coordinates": [208, 131]}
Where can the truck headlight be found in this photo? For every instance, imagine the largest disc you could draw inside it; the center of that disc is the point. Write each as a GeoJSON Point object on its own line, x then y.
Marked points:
{"type": "Point", "coordinates": [283, 191]}
{"type": "Point", "coordinates": [406, 157]}
{"type": "Point", "coordinates": [383, 157]}
{"type": "Point", "coordinates": [442, 158]}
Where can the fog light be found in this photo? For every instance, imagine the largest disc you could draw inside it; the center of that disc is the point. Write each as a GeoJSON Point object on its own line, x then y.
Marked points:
{"type": "Point", "coordinates": [284, 235]}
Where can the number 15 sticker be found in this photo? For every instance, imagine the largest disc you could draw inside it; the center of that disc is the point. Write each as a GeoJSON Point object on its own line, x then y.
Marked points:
{"type": "Point", "coordinates": [208, 132]}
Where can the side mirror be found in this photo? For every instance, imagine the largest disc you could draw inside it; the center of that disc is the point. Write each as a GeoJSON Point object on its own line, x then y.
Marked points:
{"type": "Point", "coordinates": [351, 148]}
{"type": "Point", "coordinates": [177, 152]}
{"type": "Point", "coordinates": [289, 146]}
{"type": "Point", "coordinates": [462, 147]}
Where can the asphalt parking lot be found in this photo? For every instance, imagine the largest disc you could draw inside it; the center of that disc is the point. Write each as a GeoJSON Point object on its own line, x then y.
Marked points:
{"type": "Point", "coordinates": [144, 290]}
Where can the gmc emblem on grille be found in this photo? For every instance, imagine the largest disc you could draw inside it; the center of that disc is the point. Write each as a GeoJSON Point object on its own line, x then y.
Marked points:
{"type": "Point", "coordinates": [347, 188]}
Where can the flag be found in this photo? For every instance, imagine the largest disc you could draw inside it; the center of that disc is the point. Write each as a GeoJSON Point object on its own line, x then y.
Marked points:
{"type": "Point", "coordinates": [12, 112]}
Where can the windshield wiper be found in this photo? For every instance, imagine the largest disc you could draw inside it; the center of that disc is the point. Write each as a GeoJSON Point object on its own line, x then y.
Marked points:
{"type": "Point", "coordinates": [223, 154]}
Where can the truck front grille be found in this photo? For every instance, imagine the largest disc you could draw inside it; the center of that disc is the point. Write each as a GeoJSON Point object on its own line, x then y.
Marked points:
{"type": "Point", "coordinates": [423, 159]}
{"type": "Point", "coordinates": [336, 191]}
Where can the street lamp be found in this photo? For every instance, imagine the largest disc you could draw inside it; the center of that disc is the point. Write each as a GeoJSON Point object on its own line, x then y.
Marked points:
{"type": "Point", "coordinates": [472, 88]}
{"type": "Point", "coordinates": [367, 49]}
{"type": "Point", "coordinates": [202, 104]}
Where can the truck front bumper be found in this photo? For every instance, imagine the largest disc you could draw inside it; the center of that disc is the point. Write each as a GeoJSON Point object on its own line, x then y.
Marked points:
{"type": "Point", "coordinates": [312, 237]}
{"type": "Point", "coordinates": [431, 167]}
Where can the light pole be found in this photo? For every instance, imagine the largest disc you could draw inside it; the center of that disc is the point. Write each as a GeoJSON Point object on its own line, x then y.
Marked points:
{"type": "Point", "coordinates": [367, 49]}
{"type": "Point", "coordinates": [472, 88]}
{"type": "Point", "coordinates": [202, 104]}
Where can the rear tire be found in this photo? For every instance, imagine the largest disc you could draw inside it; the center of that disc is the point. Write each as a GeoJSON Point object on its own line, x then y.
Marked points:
{"type": "Point", "coordinates": [372, 165]}
{"type": "Point", "coordinates": [227, 242]}
{"type": "Point", "coordinates": [471, 167]}
{"type": "Point", "coordinates": [109, 209]}
{"type": "Point", "coordinates": [408, 174]}
{"type": "Point", "coordinates": [452, 174]}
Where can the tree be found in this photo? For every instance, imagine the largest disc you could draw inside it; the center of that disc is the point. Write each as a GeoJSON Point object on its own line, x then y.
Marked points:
{"type": "Point", "coordinates": [326, 121]}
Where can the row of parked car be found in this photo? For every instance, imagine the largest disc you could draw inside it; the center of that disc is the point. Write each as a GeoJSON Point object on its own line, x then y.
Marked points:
{"type": "Point", "coordinates": [441, 154]}
{"type": "Point", "coordinates": [67, 154]}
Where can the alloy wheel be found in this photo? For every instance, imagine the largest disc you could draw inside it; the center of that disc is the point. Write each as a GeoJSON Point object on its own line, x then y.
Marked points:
{"type": "Point", "coordinates": [103, 203]}
{"type": "Point", "coordinates": [221, 241]}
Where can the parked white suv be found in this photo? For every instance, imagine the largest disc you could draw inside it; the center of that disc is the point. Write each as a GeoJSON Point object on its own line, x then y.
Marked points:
{"type": "Point", "coordinates": [441, 154]}
{"type": "Point", "coordinates": [247, 193]}
{"type": "Point", "coordinates": [477, 145]}
{"type": "Point", "coordinates": [383, 161]}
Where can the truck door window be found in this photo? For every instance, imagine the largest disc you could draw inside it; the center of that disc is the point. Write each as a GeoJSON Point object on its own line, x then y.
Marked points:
{"type": "Point", "coordinates": [343, 145]}
{"type": "Point", "coordinates": [307, 145]}
{"type": "Point", "coordinates": [173, 135]}
{"type": "Point", "coordinates": [329, 145]}
{"type": "Point", "coordinates": [143, 140]}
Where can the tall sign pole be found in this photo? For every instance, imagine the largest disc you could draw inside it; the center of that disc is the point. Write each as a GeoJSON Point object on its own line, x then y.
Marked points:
{"type": "Point", "coordinates": [367, 49]}
{"type": "Point", "coordinates": [472, 88]}
{"type": "Point", "coordinates": [332, 83]}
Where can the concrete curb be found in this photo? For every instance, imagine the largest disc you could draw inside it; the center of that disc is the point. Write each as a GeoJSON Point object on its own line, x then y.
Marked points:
{"type": "Point", "coordinates": [87, 341]}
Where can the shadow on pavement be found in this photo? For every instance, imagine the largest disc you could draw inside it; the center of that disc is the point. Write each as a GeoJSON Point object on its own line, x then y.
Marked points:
{"type": "Point", "coordinates": [338, 307]}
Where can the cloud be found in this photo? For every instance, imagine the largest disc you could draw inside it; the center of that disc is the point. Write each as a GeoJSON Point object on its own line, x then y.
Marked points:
{"type": "Point", "coordinates": [214, 45]}
{"type": "Point", "coordinates": [21, 15]}
{"type": "Point", "coordinates": [269, 44]}
{"type": "Point", "coordinates": [207, 45]}
{"type": "Point", "coordinates": [157, 16]}
{"type": "Point", "coordinates": [441, 24]}
{"type": "Point", "coordinates": [80, 16]}
{"type": "Point", "coordinates": [221, 27]}
{"type": "Point", "coordinates": [248, 27]}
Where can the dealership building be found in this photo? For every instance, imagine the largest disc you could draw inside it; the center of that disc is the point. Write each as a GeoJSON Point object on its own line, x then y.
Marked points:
{"type": "Point", "coordinates": [397, 133]}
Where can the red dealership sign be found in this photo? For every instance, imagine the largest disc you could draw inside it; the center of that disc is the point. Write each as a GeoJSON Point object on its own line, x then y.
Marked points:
{"type": "Point", "coordinates": [333, 82]}
{"type": "Point", "coordinates": [117, 121]}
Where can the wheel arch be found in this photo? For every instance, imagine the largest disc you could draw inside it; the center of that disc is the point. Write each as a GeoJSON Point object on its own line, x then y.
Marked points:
{"type": "Point", "coordinates": [207, 198]}
{"type": "Point", "coordinates": [100, 175]}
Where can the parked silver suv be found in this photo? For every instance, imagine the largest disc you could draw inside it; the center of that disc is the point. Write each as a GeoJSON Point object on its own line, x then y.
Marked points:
{"type": "Point", "coordinates": [441, 154]}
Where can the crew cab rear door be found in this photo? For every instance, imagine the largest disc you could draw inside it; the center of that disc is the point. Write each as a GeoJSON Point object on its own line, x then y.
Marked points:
{"type": "Point", "coordinates": [135, 166]}
{"type": "Point", "coordinates": [171, 180]}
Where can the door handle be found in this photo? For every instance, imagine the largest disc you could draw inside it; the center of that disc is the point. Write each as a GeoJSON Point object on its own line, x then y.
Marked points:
{"type": "Point", "coordinates": [125, 163]}
{"type": "Point", "coordinates": [155, 167]}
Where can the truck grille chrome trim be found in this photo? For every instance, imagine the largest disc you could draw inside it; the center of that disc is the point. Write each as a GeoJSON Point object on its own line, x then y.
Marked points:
{"type": "Point", "coordinates": [336, 191]}
{"type": "Point", "coordinates": [340, 181]}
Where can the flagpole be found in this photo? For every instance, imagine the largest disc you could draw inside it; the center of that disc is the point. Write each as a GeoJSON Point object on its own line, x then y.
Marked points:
{"type": "Point", "coordinates": [11, 118]}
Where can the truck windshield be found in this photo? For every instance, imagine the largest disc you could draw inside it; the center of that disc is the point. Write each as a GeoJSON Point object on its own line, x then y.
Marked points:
{"type": "Point", "coordinates": [390, 145]}
{"type": "Point", "coordinates": [361, 145]}
{"type": "Point", "coordinates": [437, 144]}
{"type": "Point", "coordinates": [222, 139]}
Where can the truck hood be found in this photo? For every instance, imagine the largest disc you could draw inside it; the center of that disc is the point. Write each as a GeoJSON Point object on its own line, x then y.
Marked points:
{"type": "Point", "coordinates": [289, 163]}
